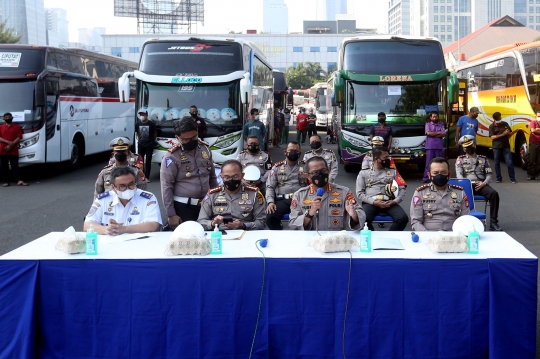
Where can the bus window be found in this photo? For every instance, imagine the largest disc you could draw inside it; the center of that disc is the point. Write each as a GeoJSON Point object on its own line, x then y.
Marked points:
{"type": "Point", "coordinates": [51, 89]}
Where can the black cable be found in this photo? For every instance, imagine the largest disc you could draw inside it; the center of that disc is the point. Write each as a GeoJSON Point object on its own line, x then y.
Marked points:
{"type": "Point", "coordinates": [260, 299]}
{"type": "Point", "coordinates": [346, 308]}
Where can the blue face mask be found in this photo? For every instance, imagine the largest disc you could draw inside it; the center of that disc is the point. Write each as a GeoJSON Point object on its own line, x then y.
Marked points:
{"type": "Point", "coordinates": [256, 117]}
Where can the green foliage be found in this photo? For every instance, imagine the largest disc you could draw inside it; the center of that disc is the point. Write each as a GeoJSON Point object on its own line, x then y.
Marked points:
{"type": "Point", "coordinates": [305, 75]}
{"type": "Point", "coordinates": [537, 39]}
{"type": "Point", "coordinates": [6, 34]}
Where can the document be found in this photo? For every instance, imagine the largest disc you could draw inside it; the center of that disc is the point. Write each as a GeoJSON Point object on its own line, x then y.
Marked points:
{"type": "Point", "coordinates": [123, 237]}
{"type": "Point", "coordinates": [386, 243]}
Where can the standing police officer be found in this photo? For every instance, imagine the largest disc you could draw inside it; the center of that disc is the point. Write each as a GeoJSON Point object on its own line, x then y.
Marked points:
{"type": "Point", "coordinates": [435, 206]}
{"type": "Point", "coordinates": [476, 168]}
{"type": "Point", "coordinates": [254, 156]}
{"type": "Point", "coordinates": [285, 178]}
{"type": "Point", "coordinates": [187, 173]}
{"type": "Point", "coordinates": [315, 142]}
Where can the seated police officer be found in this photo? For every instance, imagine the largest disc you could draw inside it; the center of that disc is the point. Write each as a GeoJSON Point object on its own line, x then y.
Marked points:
{"type": "Point", "coordinates": [335, 210]}
{"type": "Point", "coordinates": [436, 205]}
{"type": "Point", "coordinates": [234, 205]}
{"type": "Point", "coordinates": [476, 168]}
{"type": "Point", "coordinates": [124, 209]}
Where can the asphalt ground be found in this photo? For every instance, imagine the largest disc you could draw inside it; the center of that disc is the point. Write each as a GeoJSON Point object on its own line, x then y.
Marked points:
{"type": "Point", "coordinates": [58, 198]}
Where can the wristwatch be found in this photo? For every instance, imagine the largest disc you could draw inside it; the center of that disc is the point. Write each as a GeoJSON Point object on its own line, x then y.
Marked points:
{"type": "Point", "coordinates": [307, 215]}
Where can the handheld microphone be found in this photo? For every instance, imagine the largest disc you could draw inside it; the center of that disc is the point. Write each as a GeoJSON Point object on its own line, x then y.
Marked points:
{"type": "Point", "coordinates": [320, 193]}
{"type": "Point", "coordinates": [414, 237]}
{"type": "Point", "coordinates": [263, 242]}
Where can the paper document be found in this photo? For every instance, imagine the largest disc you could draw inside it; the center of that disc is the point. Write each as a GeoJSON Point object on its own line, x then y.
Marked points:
{"type": "Point", "coordinates": [386, 243]}
{"type": "Point", "coordinates": [231, 234]}
{"type": "Point", "coordinates": [123, 237]}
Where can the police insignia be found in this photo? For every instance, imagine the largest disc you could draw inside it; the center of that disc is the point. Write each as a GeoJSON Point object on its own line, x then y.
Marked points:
{"type": "Point", "coordinates": [335, 200]}
{"type": "Point", "coordinates": [294, 204]}
{"type": "Point", "coordinates": [454, 195]}
{"type": "Point", "coordinates": [306, 201]}
{"type": "Point", "coordinates": [336, 212]}
{"type": "Point", "coordinates": [260, 197]}
{"type": "Point", "coordinates": [415, 200]}
{"type": "Point", "coordinates": [351, 198]}
{"type": "Point", "coordinates": [168, 162]}
{"type": "Point", "coordinates": [335, 222]}
{"type": "Point", "coordinates": [146, 195]}
{"type": "Point", "coordinates": [135, 212]}
{"type": "Point", "coordinates": [335, 194]}
{"type": "Point", "coordinates": [151, 203]}
{"type": "Point", "coordinates": [260, 157]}
{"type": "Point", "coordinates": [466, 201]}
{"type": "Point", "coordinates": [103, 195]}
{"type": "Point", "coordinates": [93, 210]}
{"type": "Point", "coordinates": [204, 155]}
{"type": "Point", "coordinates": [245, 196]}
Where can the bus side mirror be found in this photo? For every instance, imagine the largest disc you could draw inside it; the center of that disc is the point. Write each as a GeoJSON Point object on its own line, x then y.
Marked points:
{"type": "Point", "coordinates": [453, 89]}
{"type": "Point", "coordinates": [245, 88]}
{"type": "Point", "coordinates": [124, 87]}
{"type": "Point", "coordinates": [39, 93]}
{"type": "Point", "coordinates": [339, 88]}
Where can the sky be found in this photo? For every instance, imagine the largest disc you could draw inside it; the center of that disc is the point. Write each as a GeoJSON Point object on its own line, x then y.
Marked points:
{"type": "Point", "coordinates": [221, 16]}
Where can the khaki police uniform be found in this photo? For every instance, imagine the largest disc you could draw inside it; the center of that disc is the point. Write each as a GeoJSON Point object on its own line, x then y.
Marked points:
{"type": "Point", "coordinates": [247, 205]}
{"type": "Point", "coordinates": [185, 180]}
{"type": "Point", "coordinates": [104, 181]}
{"type": "Point", "coordinates": [133, 159]}
{"type": "Point", "coordinates": [282, 182]}
{"type": "Point", "coordinates": [330, 159]}
{"type": "Point", "coordinates": [370, 186]}
{"type": "Point", "coordinates": [333, 215]}
{"type": "Point", "coordinates": [436, 210]}
{"type": "Point", "coordinates": [261, 160]}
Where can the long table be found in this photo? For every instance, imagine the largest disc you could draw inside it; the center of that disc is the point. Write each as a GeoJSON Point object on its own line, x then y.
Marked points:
{"type": "Point", "coordinates": [132, 301]}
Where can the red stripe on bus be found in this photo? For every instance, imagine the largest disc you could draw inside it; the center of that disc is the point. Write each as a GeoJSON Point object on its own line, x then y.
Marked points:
{"type": "Point", "coordinates": [92, 99]}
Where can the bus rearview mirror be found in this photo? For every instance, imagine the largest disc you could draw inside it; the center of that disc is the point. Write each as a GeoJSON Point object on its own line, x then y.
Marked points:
{"type": "Point", "coordinates": [453, 89]}
{"type": "Point", "coordinates": [39, 93]}
{"type": "Point", "coordinates": [245, 88]}
{"type": "Point", "coordinates": [339, 88]}
{"type": "Point", "coordinates": [124, 87]}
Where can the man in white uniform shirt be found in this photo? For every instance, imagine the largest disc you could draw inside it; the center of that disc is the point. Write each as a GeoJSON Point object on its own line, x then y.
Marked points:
{"type": "Point", "coordinates": [125, 209]}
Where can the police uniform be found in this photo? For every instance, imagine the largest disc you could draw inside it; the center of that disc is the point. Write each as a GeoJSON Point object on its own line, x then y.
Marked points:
{"type": "Point", "coordinates": [367, 162]}
{"type": "Point", "coordinates": [142, 208]}
{"type": "Point", "coordinates": [133, 159]}
{"type": "Point", "coordinates": [104, 180]}
{"type": "Point", "coordinates": [261, 160]}
{"type": "Point", "coordinates": [333, 215]}
{"type": "Point", "coordinates": [282, 182]}
{"type": "Point", "coordinates": [123, 143]}
{"type": "Point", "coordinates": [247, 205]}
{"type": "Point", "coordinates": [330, 159]}
{"type": "Point", "coordinates": [185, 180]}
{"type": "Point", "coordinates": [436, 210]}
{"type": "Point", "coordinates": [370, 186]}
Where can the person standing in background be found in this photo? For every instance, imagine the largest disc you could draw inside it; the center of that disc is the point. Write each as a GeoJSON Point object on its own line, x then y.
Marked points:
{"type": "Point", "coordinates": [199, 122]}
{"type": "Point", "coordinates": [383, 130]}
{"type": "Point", "coordinates": [534, 149]}
{"type": "Point", "coordinates": [301, 126]}
{"type": "Point", "coordinates": [10, 136]}
{"type": "Point", "coordinates": [467, 125]}
{"type": "Point", "coordinates": [254, 128]}
{"type": "Point", "coordinates": [500, 131]}
{"type": "Point", "coordinates": [435, 133]}
{"type": "Point", "coordinates": [285, 131]}
{"type": "Point", "coordinates": [278, 125]}
{"type": "Point", "coordinates": [312, 124]}
{"type": "Point", "coordinates": [146, 134]}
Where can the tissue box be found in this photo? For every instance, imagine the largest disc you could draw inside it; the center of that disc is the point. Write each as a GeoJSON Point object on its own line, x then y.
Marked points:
{"type": "Point", "coordinates": [334, 242]}
{"type": "Point", "coordinates": [448, 244]}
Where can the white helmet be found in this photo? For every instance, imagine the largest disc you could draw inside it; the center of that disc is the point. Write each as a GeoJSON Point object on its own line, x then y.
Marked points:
{"type": "Point", "coordinates": [466, 224]}
{"type": "Point", "coordinates": [377, 140]}
{"type": "Point", "coordinates": [252, 173]}
{"type": "Point", "coordinates": [189, 229]}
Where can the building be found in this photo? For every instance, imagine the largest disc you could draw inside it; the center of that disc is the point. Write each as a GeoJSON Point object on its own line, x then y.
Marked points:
{"type": "Point", "coordinates": [330, 27]}
{"type": "Point", "coordinates": [399, 17]}
{"type": "Point", "coordinates": [333, 8]}
{"type": "Point", "coordinates": [92, 38]}
{"type": "Point", "coordinates": [26, 18]}
{"type": "Point", "coordinates": [57, 27]}
{"type": "Point", "coordinates": [275, 17]}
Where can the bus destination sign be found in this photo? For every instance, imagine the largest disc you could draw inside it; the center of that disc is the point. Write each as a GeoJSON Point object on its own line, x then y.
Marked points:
{"type": "Point", "coordinates": [10, 59]}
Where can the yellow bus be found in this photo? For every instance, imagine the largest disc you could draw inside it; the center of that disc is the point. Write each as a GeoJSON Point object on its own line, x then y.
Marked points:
{"type": "Point", "coordinates": [506, 80]}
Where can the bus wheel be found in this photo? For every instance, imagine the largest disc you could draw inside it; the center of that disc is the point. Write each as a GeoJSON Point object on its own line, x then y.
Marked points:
{"type": "Point", "coordinates": [77, 153]}
{"type": "Point", "coordinates": [521, 153]}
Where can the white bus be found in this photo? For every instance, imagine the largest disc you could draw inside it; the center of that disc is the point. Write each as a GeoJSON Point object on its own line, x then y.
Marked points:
{"type": "Point", "coordinates": [65, 100]}
{"type": "Point", "coordinates": [223, 77]}
{"type": "Point", "coordinates": [317, 94]}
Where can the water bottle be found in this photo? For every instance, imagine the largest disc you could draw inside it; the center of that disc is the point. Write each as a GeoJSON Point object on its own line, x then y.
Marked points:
{"type": "Point", "coordinates": [91, 241]}
{"type": "Point", "coordinates": [365, 239]}
{"type": "Point", "coordinates": [216, 242]}
{"type": "Point", "coordinates": [473, 241]}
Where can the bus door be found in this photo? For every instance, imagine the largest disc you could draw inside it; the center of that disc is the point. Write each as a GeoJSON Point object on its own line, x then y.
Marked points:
{"type": "Point", "coordinates": [455, 112]}
{"type": "Point", "coordinates": [52, 121]}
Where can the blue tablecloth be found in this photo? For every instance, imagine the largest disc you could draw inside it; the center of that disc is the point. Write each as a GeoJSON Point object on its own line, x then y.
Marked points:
{"type": "Point", "coordinates": [207, 308]}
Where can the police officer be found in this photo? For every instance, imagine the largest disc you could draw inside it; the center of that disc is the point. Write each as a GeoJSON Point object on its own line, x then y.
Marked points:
{"type": "Point", "coordinates": [372, 192]}
{"type": "Point", "coordinates": [234, 205]}
{"type": "Point", "coordinates": [285, 178]}
{"type": "Point", "coordinates": [335, 210]}
{"type": "Point", "coordinates": [133, 158]}
{"type": "Point", "coordinates": [476, 168]}
{"type": "Point", "coordinates": [254, 156]}
{"type": "Point", "coordinates": [435, 206]}
{"type": "Point", "coordinates": [315, 143]}
{"type": "Point", "coordinates": [187, 173]}
{"type": "Point", "coordinates": [120, 147]}
{"type": "Point", "coordinates": [367, 162]}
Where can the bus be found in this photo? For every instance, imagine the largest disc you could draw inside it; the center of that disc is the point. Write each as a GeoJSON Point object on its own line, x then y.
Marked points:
{"type": "Point", "coordinates": [506, 80]}
{"type": "Point", "coordinates": [280, 89]}
{"type": "Point", "coordinates": [317, 94]}
{"type": "Point", "coordinates": [223, 77]}
{"type": "Point", "coordinates": [405, 77]}
{"type": "Point", "coordinates": [65, 100]}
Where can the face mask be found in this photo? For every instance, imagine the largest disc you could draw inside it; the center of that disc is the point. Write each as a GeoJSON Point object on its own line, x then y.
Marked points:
{"type": "Point", "coordinates": [253, 148]}
{"type": "Point", "coordinates": [257, 118]}
{"type": "Point", "coordinates": [440, 180]}
{"type": "Point", "coordinates": [8, 121]}
{"type": "Point", "coordinates": [190, 145]}
{"type": "Point", "coordinates": [382, 120]}
{"type": "Point", "coordinates": [293, 156]}
{"type": "Point", "coordinates": [320, 180]}
{"type": "Point", "coordinates": [469, 150]}
{"type": "Point", "coordinates": [386, 163]}
{"type": "Point", "coordinates": [232, 185]}
{"type": "Point", "coordinates": [475, 115]}
{"type": "Point", "coordinates": [120, 157]}
{"type": "Point", "coordinates": [316, 145]}
{"type": "Point", "coordinates": [127, 194]}
{"type": "Point", "coordinates": [194, 115]}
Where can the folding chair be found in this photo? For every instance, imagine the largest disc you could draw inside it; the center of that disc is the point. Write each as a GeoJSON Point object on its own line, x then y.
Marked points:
{"type": "Point", "coordinates": [467, 187]}
{"type": "Point", "coordinates": [478, 198]}
{"type": "Point", "coordinates": [382, 219]}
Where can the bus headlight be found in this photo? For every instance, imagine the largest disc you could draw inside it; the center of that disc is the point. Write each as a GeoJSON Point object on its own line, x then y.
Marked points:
{"type": "Point", "coordinates": [355, 141]}
{"type": "Point", "coordinates": [29, 142]}
{"type": "Point", "coordinates": [225, 141]}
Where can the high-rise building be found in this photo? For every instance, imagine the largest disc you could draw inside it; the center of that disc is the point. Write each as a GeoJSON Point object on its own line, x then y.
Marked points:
{"type": "Point", "coordinates": [275, 17]}
{"type": "Point", "coordinates": [91, 38]}
{"type": "Point", "coordinates": [399, 16]}
{"type": "Point", "coordinates": [26, 18]}
{"type": "Point", "coordinates": [335, 7]}
{"type": "Point", "coordinates": [57, 27]}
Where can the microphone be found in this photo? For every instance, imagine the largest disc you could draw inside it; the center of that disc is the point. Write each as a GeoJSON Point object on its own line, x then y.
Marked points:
{"type": "Point", "coordinates": [320, 193]}
{"type": "Point", "coordinates": [264, 242]}
{"type": "Point", "coordinates": [414, 237]}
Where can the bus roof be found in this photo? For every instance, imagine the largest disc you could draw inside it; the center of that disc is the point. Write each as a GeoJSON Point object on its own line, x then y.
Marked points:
{"type": "Point", "coordinates": [498, 50]}
{"type": "Point", "coordinates": [384, 37]}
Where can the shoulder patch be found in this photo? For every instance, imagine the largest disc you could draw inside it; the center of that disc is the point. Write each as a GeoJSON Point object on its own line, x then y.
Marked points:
{"type": "Point", "coordinates": [328, 150]}
{"type": "Point", "coordinates": [280, 163]}
{"type": "Point", "coordinates": [461, 156]}
{"type": "Point", "coordinates": [173, 148]}
{"type": "Point", "coordinates": [215, 189]}
{"type": "Point", "coordinates": [422, 187]}
{"type": "Point", "coordinates": [146, 195]}
{"type": "Point", "coordinates": [251, 188]}
{"type": "Point", "coordinates": [204, 143]}
{"type": "Point", "coordinates": [303, 162]}
{"type": "Point", "coordinates": [456, 186]}
{"type": "Point", "coordinates": [242, 152]}
{"type": "Point", "coordinates": [103, 195]}
{"type": "Point", "coordinates": [310, 151]}
{"type": "Point", "coordinates": [108, 166]}
{"type": "Point", "coordinates": [482, 156]}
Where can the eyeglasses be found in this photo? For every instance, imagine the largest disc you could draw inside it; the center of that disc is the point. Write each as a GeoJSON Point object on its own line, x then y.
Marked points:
{"type": "Point", "coordinates": [228, 178]}
{"type": "Point", "coordinates": [186, 140]}
{"type": "Point", "coordinates": [123, 187]}
{"type": "Point", "coordinates": [316, 173]}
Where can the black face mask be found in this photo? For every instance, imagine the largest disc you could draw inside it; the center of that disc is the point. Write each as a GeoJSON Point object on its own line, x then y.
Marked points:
{"type": "Point", "coordinates": [194, 115]}
{"type": "Point", "coordinates": [293, 156]}
{"type": "Point", "coordinates": [440, 180]}
{"type": "Point", "coordinates": [320, 180]}
{"type": "Point", "coordinates": [232, 185]}
{"type": "Point", "coordinates": [386, 163]}
{"type": "Point", "coordinates": [469, 150]}
{"type": "Point", "coordinates": [253, 148]}
{"type": "Point", "coordinates": [8, 121]}
{"type": "Point", "coordinates": [316, 145]}
{"type": "Point", "coordinates": [382, 120]}
{"type": "Point", "coordinates": [190, 145]}
{"type": "Point", "coordinates": [120, 157]}
{"type": "Point", "coordinates": [475, 115]}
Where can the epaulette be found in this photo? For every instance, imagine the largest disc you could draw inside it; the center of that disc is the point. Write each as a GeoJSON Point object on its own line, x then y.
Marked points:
{"type": "Point", "coordinates": [277, 164]}
{"type": "Point", "coordinates": [303, 162]}
{"type": "Point", "coordinates": [456, 186]}
{"type": "Point", "coordinates": [328, 150]}
{"type": "Point", "coordinates": [103, 195]}
{"type": "Point", "coordinates": [204, 143]}
{"type": "Point", "coordinates": [146, 195]}
{"type": "Point", "coordinates": [461, 156]}
{"type": "Point", "coordinates": [266, 152]}
{"type": "Point", "coordinates": [424, 186]}
{"type": "Point", "coordinates": [215, 189]}
{"type": "Point", "coordinates": [173, 148]}
{"type": "Point", "coordinates": [244, 151]}
{"type": "Point", "coordinates": [310, 151]}
{"type": "Point", "coordinates": [107, 166]}
{"type": "Point", "coordinates": [251, 188]}
{"type": "Point", "coordinates": [482, 156]}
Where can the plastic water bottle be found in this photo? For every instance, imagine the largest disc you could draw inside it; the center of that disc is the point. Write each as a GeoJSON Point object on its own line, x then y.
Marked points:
{"type": "Point", "coordinates": [216, 242]}
{"type": "Point", "coordinates": [472, 239]}
{"type": "Point", "coordinates": [365, 239]}
{"type": "Point", "coordinates": [91, 241]}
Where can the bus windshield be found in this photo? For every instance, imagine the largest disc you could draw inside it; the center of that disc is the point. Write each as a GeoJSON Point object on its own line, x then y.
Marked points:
{"type": "Point", "coordinates": [19, 62]}
{"type": "Point", "coordinates": [402, 103]}
{"type": "Point", "coordinates": [217, 103]}
{"type": "Point", "coordinates": [391, 57]}
{"type": "Point", "coordinates": [17, 96]}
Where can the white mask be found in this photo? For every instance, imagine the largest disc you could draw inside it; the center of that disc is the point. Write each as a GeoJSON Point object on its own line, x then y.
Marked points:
{"type": "Point", "coordinates": [127, 194]}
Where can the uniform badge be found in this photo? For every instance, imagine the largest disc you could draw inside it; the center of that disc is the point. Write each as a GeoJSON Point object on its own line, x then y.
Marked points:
{"type": "Point", "coordinates": [351, 198]}
{"type": "Point", "coordinates": [415, 200]}
{"type": "Point", "coordinates": [429, 206]}
{"type": "Point", "coordinates": [146, 195]}
{"type": "Point", "coordinates": [306, 201]}
{"type": "Point", "coordinates": [336, 212]}
{"type": "Point", "coordinates": [425, 196]}
{"type": "Point", "coordinates": [109, 209]}
{"type": "Point", "coordinates": [93, 210]}
{"type": "Point", "coordinates": [301, 169]}
{"type": "Point", "coordinates": [335, 194]}
{"type": "Point", "coordinates": [294, 204]}
{"type": "Point", "coordinates": [245, 196]}
{"type": "Point", "coordinates": [326, 157]}
{"type": "Point", "coordinates": [135, 211]}
{"type": "Point", "coordinates": [282, 169]}
{"type": "Point", "coordinates": [260, 157]}
{"type": "Point", "coordinates": [168, 162]}
{"type": "Point", "coordinates": [245, 215]}
{"type": "Point", "coordinates": [466, 201]}
{"type": "Point", "coordinates": [429, 215]}
{"type": "Point", "coordinates": [204, 155]}
{"type": "Point", "coordinates": [335, 222]}
{"type": "Point", "coordinates": [388, 173]}
{"type": "Point", "coordinates": [454, 195]}
{"type": "Point", "coordinates": [335, 200]}
{"type": "Point", "coordinates": [221, 199]}
{"type": "Point", "coordinates": [182, 157]}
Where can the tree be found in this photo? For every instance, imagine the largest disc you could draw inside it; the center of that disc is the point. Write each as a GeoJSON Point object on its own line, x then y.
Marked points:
{"type": "Point", "coordinates": [6, 34]}
{"type": "Point", "coordinates": [536, 39]}
{"type": "Point", "coordinates": [305, 75]}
